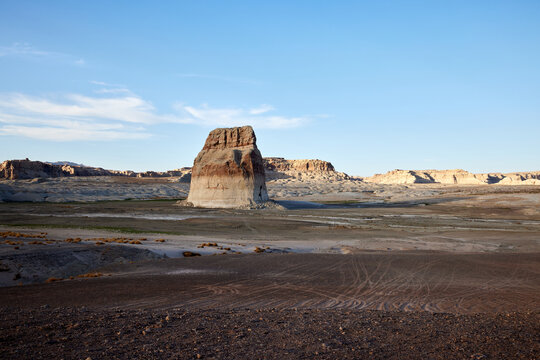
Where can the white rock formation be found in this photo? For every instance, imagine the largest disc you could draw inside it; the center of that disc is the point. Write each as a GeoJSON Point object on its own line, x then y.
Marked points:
{"type": "Point", "coordinates": [456, 177]}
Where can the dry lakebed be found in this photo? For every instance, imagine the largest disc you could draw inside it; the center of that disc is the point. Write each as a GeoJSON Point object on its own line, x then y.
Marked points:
{"type": "Point", "coordinates": [364, 271]}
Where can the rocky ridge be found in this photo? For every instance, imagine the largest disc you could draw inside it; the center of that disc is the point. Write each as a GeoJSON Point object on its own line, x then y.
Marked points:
{"type": "Point", "coordinates": [28, 169]}
{"type": "Point", "coordinates": [276, 168]}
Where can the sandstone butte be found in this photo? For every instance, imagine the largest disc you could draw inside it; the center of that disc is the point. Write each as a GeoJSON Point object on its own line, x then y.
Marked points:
{"type": "Point", "coordinates": [229, 171]}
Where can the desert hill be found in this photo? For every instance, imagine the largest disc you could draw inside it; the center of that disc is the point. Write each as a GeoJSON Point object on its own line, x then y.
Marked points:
{"type": "Point", "coordinates": [454, 177]}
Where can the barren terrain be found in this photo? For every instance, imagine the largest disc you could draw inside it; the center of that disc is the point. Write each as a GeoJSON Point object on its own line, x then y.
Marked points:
{"type": "Point", "coordinates": [335, 270]}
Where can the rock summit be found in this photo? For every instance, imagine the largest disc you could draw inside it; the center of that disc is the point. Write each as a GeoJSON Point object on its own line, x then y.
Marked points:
{"type": "Point", "coordinates": [229, 171]}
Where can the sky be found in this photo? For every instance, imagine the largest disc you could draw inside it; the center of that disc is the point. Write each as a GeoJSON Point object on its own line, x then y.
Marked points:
{"type": "Point", "coordinates": [370, 86]}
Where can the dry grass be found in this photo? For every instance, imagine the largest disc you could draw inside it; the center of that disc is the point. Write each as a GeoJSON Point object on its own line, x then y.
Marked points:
{"type": "Point", "coordinates": [11, 242]}
{"type": "Point", "coordinates": [118, 240]}
{"type": "Point", "coordinates": [190, 254]}
{"type": "Point", "coordinates": [208, 244]}
{"type": "Point", "coordinates": [90, 275]}
{"type": "Point", "coordinates": [6, 234]}
{"type": "Point", "coordinates": [53, 279]}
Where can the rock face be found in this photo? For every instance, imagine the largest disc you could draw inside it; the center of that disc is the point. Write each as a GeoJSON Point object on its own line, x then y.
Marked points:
{"type": "Point", "coordinates": [229, 171]}
{"type": "Point", "coordinates": [282, 165]}
{"type": "Point", "coordinates": [454, 177]}
{"type": "Point", "coordinates": [526, 178]}
{"type": "Point", "coordinates": [183, 174]}
{"type": "Point", "coordinates": [26, 169]}
{"type": "Point", "coordinates": [457, 177]}
{"type": "Point", "coordinates": [315, 170]}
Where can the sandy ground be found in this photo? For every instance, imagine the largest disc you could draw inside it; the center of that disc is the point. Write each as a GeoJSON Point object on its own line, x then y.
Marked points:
{"type": "Point", "coordinates": [468, 253]}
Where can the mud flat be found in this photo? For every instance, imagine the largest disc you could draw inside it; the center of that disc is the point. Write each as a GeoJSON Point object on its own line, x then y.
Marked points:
{"type": "Point", "coordinates": [392, 272]}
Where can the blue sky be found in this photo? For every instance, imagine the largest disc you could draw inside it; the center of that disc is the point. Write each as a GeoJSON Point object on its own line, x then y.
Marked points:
{"type": "Point", "coordinates": [370, 86]}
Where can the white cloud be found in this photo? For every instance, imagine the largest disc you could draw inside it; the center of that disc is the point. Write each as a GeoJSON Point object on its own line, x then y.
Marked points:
{"type": "Point", "coordinates": [131, 108]}
{"type": "Point", "coordinates": [102, 83]}
{"type": "Point", "coordinates": [257, 117]}
{"type": "Point", "coordinates": [261, 109]}
{"type": "Point", "coordinates": [117, 114]}
{"type": "Point", "coordinates": [28, 51]}
{"type": "Point", "coordinates": [68, 134]}
{"type": "Point", "coordinates": [77, 117]}
{"type": "Point", "coordinates": [111, 88]}
{"type": "Point", "coordinates": [113, 91]}
{"type": "Point", "coordinates": [218, 78]}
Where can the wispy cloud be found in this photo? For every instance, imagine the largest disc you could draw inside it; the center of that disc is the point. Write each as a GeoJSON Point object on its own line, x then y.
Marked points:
{"type": "Point", "coordinates": [117, 113]}
{"type": "Point", "coordinates": [102, 83]}
{"type": "Point", "coordinates": [218, 78]}
{"type": "Point", "coordinates": [77, 117]}
{"type": "Point", "coordinates": [69, 134]}
{"type": "Point", "coordinates": [259, 117]}
{"type": "Point", "coordinates": [107, 88]}
{"type": "Point", "coordinates": [25, 50]}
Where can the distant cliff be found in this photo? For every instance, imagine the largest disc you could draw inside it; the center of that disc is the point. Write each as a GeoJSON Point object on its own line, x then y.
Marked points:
{"type": "Point", "coordinates": [314, 169]}
{"type": "Point", "coordinates": [278, 168]}
{"type": "Point", "coordinates": [27, 169]}
{"type": "Point", "coordinates": [280, 164]}
{"type": "Point", "coordinates": [456, 177]}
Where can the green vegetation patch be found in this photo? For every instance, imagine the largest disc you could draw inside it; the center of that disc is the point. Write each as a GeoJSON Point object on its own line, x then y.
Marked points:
{"type": "Point", "coordinates": [125, 230]}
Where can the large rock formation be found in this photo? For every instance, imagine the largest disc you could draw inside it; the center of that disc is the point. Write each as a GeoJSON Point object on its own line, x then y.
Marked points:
{"type": "Point", "coordinates": [229, 171]}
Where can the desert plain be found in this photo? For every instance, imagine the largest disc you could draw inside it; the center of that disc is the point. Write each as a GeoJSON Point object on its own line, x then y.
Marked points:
{"type": "Point", "coordinates": [334, 269]}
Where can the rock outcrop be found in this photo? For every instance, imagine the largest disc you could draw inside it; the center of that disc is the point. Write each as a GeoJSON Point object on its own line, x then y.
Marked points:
{"type": "Point", "coordinates": [282, 165]}
{"type": "Point", "coordinates": [457, 177]}
{"type": "Point", "coordinates": [314, 169]}
{"type": "Point", "coordinates": [183, 174]}
{"type": "Point", "coordinates": [27, 169]}
{"type": "Point", "coordinates": [525, 178]}
{"type": "Point", "coordinates": [229, 171]}
{"type": "Point", "coordinates": [454, 177]}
